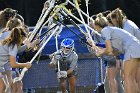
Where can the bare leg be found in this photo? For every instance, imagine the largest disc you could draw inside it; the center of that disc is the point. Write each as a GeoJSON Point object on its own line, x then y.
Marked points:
{"type": "Point", "coordinates": [19, 87]}
{"type": "Point", "coordinates": [72, 84]}
{"type": "Point", "coordinates": [9, 81]}
{"type": "Point", "coordinates": [138, 78]}
{"type": "Point", "coordinates": [63, 85]}
{"type": "Point", "coordinates": [2, 84]}
{"type": "Point", "coordinates": [106, 84]}
{"type": "Point", "coordinates": [130, 69]}
{"type": "Point", "coordinates": [111, 73]}
{"type": "Point", "coordinates": [118, 80]}
{"type": "Point", "coordinates": [118, 76]}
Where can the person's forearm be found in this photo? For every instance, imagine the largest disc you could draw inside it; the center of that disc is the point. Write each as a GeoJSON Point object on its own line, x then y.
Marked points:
{"type": "Point", "coordinates": [18, 65]}
{"type": "Point", "coordinates": [106, 52]}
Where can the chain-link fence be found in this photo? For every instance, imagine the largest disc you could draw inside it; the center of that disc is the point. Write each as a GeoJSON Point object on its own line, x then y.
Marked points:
{"type": "Point", "coordinates": [44, 80]}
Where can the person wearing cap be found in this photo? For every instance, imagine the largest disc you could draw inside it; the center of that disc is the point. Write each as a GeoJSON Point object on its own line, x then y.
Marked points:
{"type": "Point", "coordinates": [67, 59]}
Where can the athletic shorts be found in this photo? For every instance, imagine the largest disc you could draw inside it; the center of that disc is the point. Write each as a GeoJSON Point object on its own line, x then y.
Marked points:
{"type": "Point", "coordinates": [7, 67]}
{"type": "Point", "coordinates": [111, 64]}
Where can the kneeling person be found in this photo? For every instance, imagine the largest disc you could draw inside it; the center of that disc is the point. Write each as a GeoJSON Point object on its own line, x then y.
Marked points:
{"type": "Point", "coordinates": [67, 59]}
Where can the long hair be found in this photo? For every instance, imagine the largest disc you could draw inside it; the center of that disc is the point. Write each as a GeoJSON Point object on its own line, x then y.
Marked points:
{"type": "Point", "coordinates": [15, 38]}
{"type": "Point", "coordinates": [119, 16]}
{"type": "Point", "coordinates": [13, 23]}
{"type": "Point", "coordinates": [5, 15]}
{"type": "Point", "coordinates": [3, 21]}
{"type": "Point", "coordinates": [108, 17]}
{"type": "Point", "coordinates": [18, 16]}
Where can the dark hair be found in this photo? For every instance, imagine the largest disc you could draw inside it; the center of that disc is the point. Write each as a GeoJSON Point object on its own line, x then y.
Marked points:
{"type": "Point", "coordinates": [119, 16]}
{"type": "Point", "coordinates": [15, 37]}
{"type": "Point", "coordinates": [20, 17]}
{"type": "Point", "coordinates": [108, 17]}
{"type": "Point", "coordinates": [9, 12]}
{"type": "Point", "coordinates": [13, 23]}
{"type": "Point", "coordinates": [5, 15]}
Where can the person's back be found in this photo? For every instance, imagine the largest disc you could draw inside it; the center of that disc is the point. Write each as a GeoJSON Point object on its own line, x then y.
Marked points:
{"type": "Point", "coordinates": [120, 37]}
{"type": "Point", "coordinates": [132, 28]}
{"type": "Point", "coordinates": [5, 52]}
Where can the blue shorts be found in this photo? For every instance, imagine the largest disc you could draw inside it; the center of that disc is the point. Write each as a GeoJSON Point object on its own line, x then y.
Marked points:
{"type": "Point", "coordinates": [2, 69]}
{"type": "Point", "coordinates": [7, 67]}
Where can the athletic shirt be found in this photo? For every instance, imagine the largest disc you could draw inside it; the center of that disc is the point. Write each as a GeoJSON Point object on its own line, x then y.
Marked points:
{"type": "Point", "coordinates": [5, 52]}
{"type": "Point", "coordinates": [4, 35]}
{"type": "Point", "coordinates": [69, 62]}
{"type": "Point", "coordinates": [122, 40]}
{"type": "Point", "coordinates": [132, 28]}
